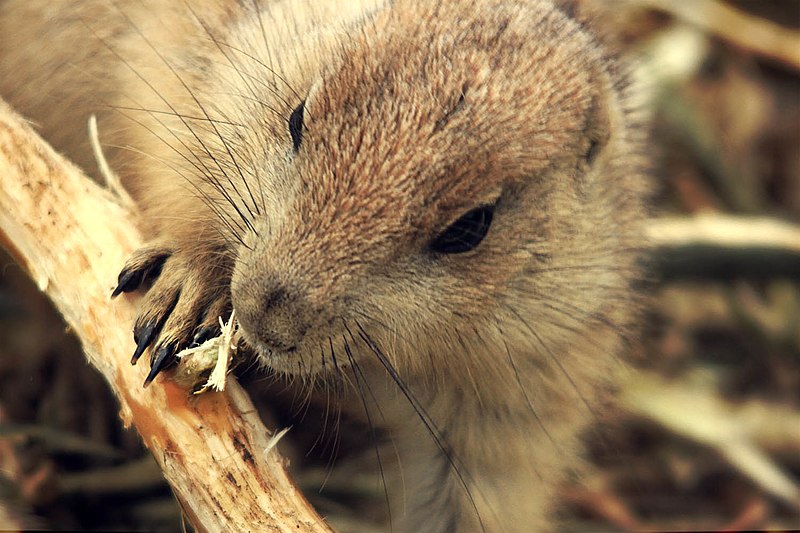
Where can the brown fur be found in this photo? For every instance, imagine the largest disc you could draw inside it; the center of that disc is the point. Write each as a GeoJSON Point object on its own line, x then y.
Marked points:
{"type": "Point", "coordinates": [415, 113]}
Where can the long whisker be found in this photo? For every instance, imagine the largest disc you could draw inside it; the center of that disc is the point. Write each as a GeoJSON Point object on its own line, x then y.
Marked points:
{"type": "Point", "coordinates": [178, 115]}
{"type": "Point", "coordinates": [200, 106]}
{"type": "Point", "coordinates": [267, 49]}
{"type": "Point", "coordinates": [424, 417]}
{"type": "Point", "coordinates": [239, 72]}
{"type": "Point", "coordinates": [553, 358]}
{"type": "Point", "coordinates": [337, 427]}
{"type": "Point", "coordinates": [525, 393]}
{"type": "Point", "coordinates": [222, 216]}
{"type": "Point", "coordinates": [359, 379]}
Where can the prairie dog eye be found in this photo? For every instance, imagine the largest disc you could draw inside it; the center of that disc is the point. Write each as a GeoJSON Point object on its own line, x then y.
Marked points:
{"type": "Point", "coordinates": [296, 125]}
{"type": "Point", "coordinates": [465, 233]}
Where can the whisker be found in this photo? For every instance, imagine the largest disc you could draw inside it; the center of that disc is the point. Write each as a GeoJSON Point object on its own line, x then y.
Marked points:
{"type": "Point", "coordinates": [222, 216]}
{"type": "Point", "coordinates": [267, 49]}
{"type": "Point", "coordinates": [202, 108]}
{"type": "Point", "coordinates": [553, 358]}
{"type": "Point", "coordinates": [527, 398]}
{"type": "Point", "coordinates": [337, 427]}
{"type": "Point", "coordinates": [239, 72]}
{"type": "Point", "coordinates": [359, 379]}
{"type": "Point", "coordinates": [174, 114]}
{"type": "Point", "coordinates": [258, 80]}
{"type": "Point", "coordinates": [426, 420]}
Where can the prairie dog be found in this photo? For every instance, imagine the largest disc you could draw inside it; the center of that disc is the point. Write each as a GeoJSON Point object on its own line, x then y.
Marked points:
{"type": "Point", "coordinates": [435, 204]}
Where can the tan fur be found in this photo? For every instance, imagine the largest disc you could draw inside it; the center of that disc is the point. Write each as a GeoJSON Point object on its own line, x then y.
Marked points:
{"type": "Point", "coordinates": [415, 113]}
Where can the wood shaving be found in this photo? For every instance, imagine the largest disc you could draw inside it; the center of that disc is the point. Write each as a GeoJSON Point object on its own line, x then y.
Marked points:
{"type": "Point", "coordinates": [273, 441]}
{"type": "Point", "coordinates": [214, 356]}
{"type": "Point", "coordinates": [224, 355]}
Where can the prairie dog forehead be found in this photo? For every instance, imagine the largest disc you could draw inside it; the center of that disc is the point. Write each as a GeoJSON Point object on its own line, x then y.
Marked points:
{"type": "Point", "coordinates": [451, 112]}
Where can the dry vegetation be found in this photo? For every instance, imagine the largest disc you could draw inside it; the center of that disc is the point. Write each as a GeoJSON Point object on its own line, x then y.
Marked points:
{"type": "Point", "coordinates": [708, 435]}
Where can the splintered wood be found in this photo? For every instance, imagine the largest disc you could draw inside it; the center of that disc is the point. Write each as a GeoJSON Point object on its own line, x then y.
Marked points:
{"type": "Point", "coordinates": [212, 359]}
{"type": "Point", "coordinates": [72, 237]}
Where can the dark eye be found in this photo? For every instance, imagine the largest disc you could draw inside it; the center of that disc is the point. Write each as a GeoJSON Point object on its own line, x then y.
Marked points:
{"type": "Point", "coordinates": [296, 125]}
{"type": "Point", "coordinates": [465, 233]}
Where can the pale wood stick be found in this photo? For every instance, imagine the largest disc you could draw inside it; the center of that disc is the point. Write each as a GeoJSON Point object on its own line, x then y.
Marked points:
{"type": "Point", "coordinates": [729, 231]}
{"type": "Point", "coordinates": [72, 238]}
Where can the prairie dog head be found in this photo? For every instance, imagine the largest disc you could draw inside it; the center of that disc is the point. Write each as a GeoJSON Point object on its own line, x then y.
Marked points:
{"type": "Point", "coordinates": [454, 180]}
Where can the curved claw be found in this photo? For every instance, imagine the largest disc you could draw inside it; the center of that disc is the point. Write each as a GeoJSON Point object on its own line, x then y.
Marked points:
{"type": "Point", "coordinates": [164, 357]}
{"type": "Point", "coordinates": [143, 266]}
{"type": "Point", "coordinates": [128, 281]}
{"type": "Point", "coordinates": [143, 337]}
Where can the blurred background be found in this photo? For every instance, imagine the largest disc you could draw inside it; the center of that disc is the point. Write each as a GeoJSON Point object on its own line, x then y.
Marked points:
{"type": "Point", "coordinates": [707, 435]}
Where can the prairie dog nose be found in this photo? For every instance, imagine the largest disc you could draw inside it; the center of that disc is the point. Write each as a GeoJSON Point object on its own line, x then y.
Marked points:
{"type": "Point", "coordinates": [273, 313]}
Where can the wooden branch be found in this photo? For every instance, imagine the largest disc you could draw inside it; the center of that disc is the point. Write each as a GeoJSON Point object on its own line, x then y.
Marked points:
{"type": "Point", "coordinates": [72, 238]}
{"type": "Point", "coordinates": [723, 247]}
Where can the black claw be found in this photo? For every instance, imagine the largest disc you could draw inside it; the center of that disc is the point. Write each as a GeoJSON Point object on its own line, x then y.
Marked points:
{"type": "Point", "coordinates": [131, 279]}
{"type": "Point", "coordinates": [205, 333]}
{"type": "Point", "coordinates": [128, 281]}
{"type": "Point", "coordinates": [143, 337]}
{"type": "Point", "coordinates": [163, 358]}
{"type": "Point", "coordinates": [151, 376]}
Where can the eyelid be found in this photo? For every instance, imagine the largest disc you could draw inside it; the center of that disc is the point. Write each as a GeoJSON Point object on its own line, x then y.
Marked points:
{"type": "Point", "coordinates": [489, 199]}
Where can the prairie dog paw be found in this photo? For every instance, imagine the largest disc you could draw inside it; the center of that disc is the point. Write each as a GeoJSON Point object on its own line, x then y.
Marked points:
{"type": "Point", "coordinates": [181, 309]}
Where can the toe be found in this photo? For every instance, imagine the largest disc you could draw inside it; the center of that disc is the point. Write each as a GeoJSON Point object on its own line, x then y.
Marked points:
{"type": "Point", "coordinates": [156, 308]}
{"type": "Point", "coordinates": [193, 320]}
{"type": "Point", "coordinates": [209, 326]}
{"type": "Point", "coordinates": [143, 336]}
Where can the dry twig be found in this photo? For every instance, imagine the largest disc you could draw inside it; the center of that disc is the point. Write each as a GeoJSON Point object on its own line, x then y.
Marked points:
{"type": "Point", "coordinates": [725, 231]}
{"type": "Point", "coordinates": [706, 419]}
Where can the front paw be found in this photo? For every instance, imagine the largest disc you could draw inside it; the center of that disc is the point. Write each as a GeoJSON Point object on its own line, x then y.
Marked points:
{"type": "Point", "coordinates": [183, 306]}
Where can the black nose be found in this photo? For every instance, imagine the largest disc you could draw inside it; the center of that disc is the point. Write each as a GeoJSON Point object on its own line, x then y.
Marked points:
{"type": "Point", "coordinates": [276, 314]}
